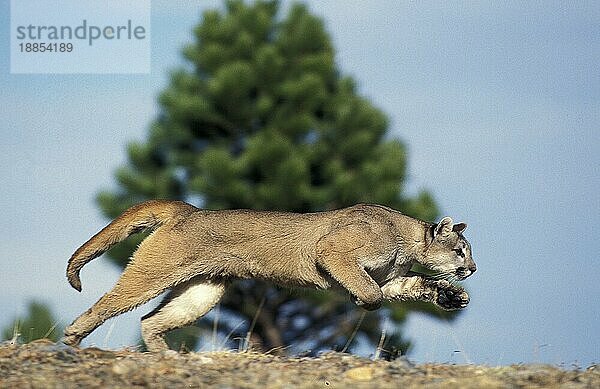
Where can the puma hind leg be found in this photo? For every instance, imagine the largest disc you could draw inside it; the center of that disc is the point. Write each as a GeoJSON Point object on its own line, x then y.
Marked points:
{"type": "Point", "coordinates": [132, 290]}
{"type": "Point", "coordinates": [185, 304]}
{"type": "Point", "coordinates": [144, 278]}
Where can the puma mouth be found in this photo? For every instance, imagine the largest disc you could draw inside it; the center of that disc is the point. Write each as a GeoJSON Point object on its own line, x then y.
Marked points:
{"type": "Point", "coordinates": [451, 276]}
{"type": "Point", "coordinates": [463, 273]}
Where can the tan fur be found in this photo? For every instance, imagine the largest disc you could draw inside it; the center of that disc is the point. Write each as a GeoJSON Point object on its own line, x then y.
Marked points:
{"type": "Point", "coordinates": [367, 250]}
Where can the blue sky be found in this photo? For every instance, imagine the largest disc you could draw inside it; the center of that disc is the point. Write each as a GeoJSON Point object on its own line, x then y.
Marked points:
{"type": "Point", "coordinates": [499, 104]}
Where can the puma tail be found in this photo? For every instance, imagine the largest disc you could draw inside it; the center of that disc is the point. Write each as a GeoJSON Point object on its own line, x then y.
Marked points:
{"type": "Point", "coordinates": [149, 214]}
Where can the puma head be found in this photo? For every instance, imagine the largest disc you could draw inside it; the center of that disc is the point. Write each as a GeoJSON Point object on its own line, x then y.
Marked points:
{"type": "Point", "coordinates": [448, 252]}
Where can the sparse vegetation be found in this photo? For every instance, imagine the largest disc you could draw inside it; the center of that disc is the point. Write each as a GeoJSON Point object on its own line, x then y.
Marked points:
{"type": "Point", "coordinates": [38, 323]}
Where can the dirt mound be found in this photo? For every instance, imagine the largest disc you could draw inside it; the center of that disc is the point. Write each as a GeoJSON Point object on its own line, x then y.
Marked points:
{"type": "Point", "coordinates": [43, 364]}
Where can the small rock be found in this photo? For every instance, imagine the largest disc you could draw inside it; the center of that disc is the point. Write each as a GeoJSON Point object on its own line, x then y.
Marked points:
{"type": "Point", "coordinates": [202, 359]}
{"type": "Point", "coordinates": [402, 362]}
{"type": "Point", "coordinates": [363, 373]}
{"type": "Point", "coordinates": [123, 367]}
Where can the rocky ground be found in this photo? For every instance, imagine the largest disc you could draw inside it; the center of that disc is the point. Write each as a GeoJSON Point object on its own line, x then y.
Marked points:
{"type": "Point", "coordinates": [43, 364]}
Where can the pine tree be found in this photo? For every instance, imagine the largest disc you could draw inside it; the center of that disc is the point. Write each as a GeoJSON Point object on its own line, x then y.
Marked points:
{"type": "Point", "coordinates": [260, 117]}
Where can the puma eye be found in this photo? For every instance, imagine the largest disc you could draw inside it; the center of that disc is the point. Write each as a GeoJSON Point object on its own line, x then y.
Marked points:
{"type": "Point", "coordinates": [459, 252]}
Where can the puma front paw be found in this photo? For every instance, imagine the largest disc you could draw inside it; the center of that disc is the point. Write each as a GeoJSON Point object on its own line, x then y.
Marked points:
{"type": "Point", "coordinates": [450, 297]}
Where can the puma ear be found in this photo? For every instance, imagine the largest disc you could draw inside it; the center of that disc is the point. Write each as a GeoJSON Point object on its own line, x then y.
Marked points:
{"type": "Point", "coordinates": [459, 227]}
{"type": "Point", "coordinates": [443, 228]}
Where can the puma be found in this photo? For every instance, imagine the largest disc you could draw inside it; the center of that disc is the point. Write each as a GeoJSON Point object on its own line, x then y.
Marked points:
{"type": "Point", "coordinates": [367, 250]}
